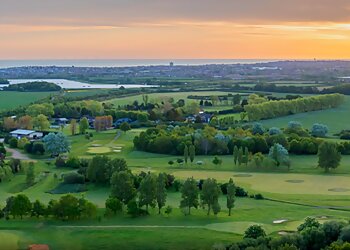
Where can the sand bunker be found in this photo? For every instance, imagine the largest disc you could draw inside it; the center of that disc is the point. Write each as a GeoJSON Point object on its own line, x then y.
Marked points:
{"type": "Point", "coordinates": [242, 175]}
{"type": "Point", "coordinates": [295, 181]}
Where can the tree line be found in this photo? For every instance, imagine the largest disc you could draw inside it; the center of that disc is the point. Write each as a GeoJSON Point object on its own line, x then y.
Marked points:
{"type": "Point", "coordinates": [272, 109]}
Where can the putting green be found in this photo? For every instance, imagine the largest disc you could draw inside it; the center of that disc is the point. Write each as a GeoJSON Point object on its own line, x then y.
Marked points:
{"type": "Point", "coordinates": [9, 240]}
{"type": "Point", "coordinates": [99, 150]}
{"type": "Point", "coordinates": [280, 183]}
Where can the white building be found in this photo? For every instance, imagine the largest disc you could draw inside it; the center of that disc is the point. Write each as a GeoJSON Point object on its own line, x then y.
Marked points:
{"type": "Point", "coordinates": [30, 134]}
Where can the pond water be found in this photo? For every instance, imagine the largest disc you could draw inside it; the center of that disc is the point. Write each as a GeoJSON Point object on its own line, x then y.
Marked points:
{"type": "Point", "coordinates": [69, 84]}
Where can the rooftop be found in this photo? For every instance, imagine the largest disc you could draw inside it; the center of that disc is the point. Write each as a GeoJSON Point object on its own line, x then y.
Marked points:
{"type": "Point", "coordinates": [22, 132]}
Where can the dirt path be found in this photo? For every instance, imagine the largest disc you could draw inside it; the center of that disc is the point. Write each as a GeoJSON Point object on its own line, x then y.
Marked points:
{"type": "Point", "coordinates": [17, 155]}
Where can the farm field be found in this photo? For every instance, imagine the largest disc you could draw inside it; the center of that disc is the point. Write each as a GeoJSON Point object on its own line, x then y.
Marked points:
{"type": "Point", "coordinates": [12, 99]}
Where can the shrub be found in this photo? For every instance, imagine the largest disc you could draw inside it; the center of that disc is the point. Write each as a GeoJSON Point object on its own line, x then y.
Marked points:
{"type": "Point", "coordinates": [319, 130]}
{"type": "Point", "coordinates": [60, 162]}
{"type": "Point", "coordinates": [254, 232]}
{"type": "Point", "coordinates": [259, 197]}
{"type": "Point", "coordinates": [73, 178]}
{"type": "Point", "coordinates": [13, 142]}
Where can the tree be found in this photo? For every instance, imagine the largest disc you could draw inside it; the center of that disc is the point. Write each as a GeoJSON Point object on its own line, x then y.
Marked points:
{"type": "Point", "coordinates": [21, 206]}
{"type": "Point", "coordinates": [279, 154]}
{"type": "Point", "coordinates": [161, 193]}
{"type": "Point", "coordinates": [46, 109]}
{"type": "Point", "coordinates": [125, 127]}
{"type": "Point", "coordinates": [189, 195]}
{"type": "Point", "coordinates": [13, 142]}
{"type": "Point", "coordinates": [22, 142]}
{"type": "Point", "coordinates": [192, 152]}
{"type": "Point", "coordinates": [9, 124]}
{"type": "Point", "coordinates": [217, 161]}
{"type": "Point", "coordinates": [319, 130]}
{"type": "Point", "coordinates": [142, 117]}
{"type": "Point", "coordinates": [254, 232]}
{"type": "Point", "coordinates": [56, 144]}
{"type": "Point", "coordinates": [186, 153]}
{"type": "Point", "coordinates": [246, 156]}
{"type": "Point", "coordinates": [30, 175]}
{"type": "Point", "coordinates": [113, 204]}
{"type": "Point", "coordinates": [309, 222]}
{"type": "Point", "coordinates": [328, 156]}
{"type": "Point", "coordinates": [210, 194]}
{"type": "Point", "coordinates": [231, 196]}
{"type": "Point", "coordinates": [38, 209]}
{"type": "Point", "coordinates": [147, 190]}
{"type": "Point", "coordinates": [122, 186]}
{"type": "Point", "coordinates": [25, 122]}
{"type": "Point", "coordinates": [258, 128]}
{"type": "Point", "coordinates": [41, 122]}
{"type": "Point", "coordinates": [240, 156]}
{"type": "Point", "coordinates": [73, 126]}
{"type": "Point", "coordinates": [235, 154]}
{"type": "Point", "coordinates": [83, 125]}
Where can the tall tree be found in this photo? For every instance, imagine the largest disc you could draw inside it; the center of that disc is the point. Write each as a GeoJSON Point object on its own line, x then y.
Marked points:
{"type": "Point", "coordinates": [246, 156]}
{"type": "Point", "coordinates": [30, 175]}
{"type": "Point", "coordinates": [147, 190]}
{"type": "Point", "coordinates": [240, 156]}
{"type": "Point", "coordinates": [186, 154]}
{"type": "Point", "coordinates": [328, 156]}
{"type": "Point", "coordinates": [122, 186]}
{"type": "Point", "coordinates": [73, 126]}
{"type": "Point", "coordinates": [192, 152]}
{"type": "Point", "coordinates": [161, 192]}
{"type": "Point", "coordinates": [210, 194]}
{"type": "Point", "coordinates": [231, 196]}
{"type": "Point", "coordinates": [235, 154]}
{"type": "Point", "coordinates": [83, 125]}
{"type": "Point", "coordinates": [189, 195]}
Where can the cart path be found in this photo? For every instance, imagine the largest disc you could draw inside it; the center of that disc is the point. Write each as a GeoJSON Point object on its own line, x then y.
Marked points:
{"type": "Point", "coordinates": [17, 154]}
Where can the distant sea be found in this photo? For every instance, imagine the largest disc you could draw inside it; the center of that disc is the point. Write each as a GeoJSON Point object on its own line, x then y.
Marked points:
{"type": "Point", "coordinates": [125, 62]}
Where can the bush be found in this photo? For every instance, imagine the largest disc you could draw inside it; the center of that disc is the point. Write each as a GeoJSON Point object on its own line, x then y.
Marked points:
{"type": "Point", "coordinates": [13, 142]}
{"type": "Point", "coordinates": [259, 197]}
{"type": "Point", "coordinates": [254, 232]}
{"type": "Point", "coordinates": [38, 148]}
{"type": "Point", "coordinates": [73, 178]}
{"type": "Point", "coordinates": [240, 192]}
{"type": "Point", "coordinates": [22, 142]}
{"type": "Point", "coordinates": [73, 162]}
{"type": "Point", "coordinates": [60, 162]}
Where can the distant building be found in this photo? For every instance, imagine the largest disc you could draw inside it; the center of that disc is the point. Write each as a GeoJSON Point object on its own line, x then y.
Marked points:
{"type": "Point", "coordinates": [61, 121]}
{"type": "Point", "coordinates": [122, 120]}
{"type": "Point", "coordinates": [30, 134]}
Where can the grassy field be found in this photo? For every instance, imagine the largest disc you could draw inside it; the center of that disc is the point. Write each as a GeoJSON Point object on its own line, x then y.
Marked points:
{"type": "Point", "coordinates": [12, 99]}
{"type": "Point", "coordinates": [336, 119]}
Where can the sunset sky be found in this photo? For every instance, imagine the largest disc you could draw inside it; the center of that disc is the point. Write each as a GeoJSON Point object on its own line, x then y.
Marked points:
{"type": "Point", "coordinates": [165, 29]}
